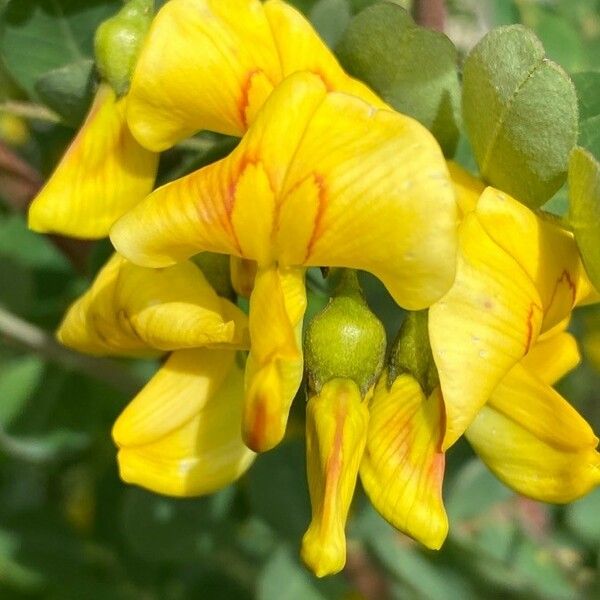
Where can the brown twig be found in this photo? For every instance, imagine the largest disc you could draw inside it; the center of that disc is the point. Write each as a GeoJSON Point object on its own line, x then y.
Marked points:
{"type": "Point", "coordinates": [370, 583]}
{"type": "Point", "coordinates": [430, 13]}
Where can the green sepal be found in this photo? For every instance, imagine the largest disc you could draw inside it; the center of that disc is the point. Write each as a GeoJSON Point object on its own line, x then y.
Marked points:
{"type": "Point", "coordinates": [345, 339]}
{"type": "Point", "coordinates": [412, 68]}
{"type": "Point", "coordinates": [584, 209]}
{"type": "Point", "coordinates": [118, 42]}
{"type": "Point", "coordinates": [411, 352]}
{"type": "Point", "coordinates": [520, 111]}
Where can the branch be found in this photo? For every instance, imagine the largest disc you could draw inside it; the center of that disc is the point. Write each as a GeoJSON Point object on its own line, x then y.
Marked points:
{"type": "Point", "coordinates": [430, 13]}
{"type": "Point", "coordinates": [20, 332]}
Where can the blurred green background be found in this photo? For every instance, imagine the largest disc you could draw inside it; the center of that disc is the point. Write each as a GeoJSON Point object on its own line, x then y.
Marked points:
{"type": "Point", "coordinates": [70, 529]}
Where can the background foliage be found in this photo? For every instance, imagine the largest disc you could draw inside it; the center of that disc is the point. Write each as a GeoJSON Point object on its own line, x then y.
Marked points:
{"type": "Point", "coordinates": [70, 529]}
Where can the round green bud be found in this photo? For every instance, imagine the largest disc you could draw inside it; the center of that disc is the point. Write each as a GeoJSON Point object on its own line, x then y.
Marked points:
{"type": "Point", "coordinates": [345, 340]}
{"type": "Point", "coordinates": [118, 41]}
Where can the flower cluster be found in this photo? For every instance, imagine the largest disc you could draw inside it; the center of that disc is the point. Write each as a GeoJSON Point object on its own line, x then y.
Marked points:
{"type": "Point", "coordinates": [325, 175]}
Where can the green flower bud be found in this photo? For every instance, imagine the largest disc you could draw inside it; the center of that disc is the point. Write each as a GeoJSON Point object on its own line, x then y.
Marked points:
{"type": "Point", "coordinates": [345, 340]}
{"type": "Point", "coordinates": [118, 41]}
{"type": "Point", "coordinates": [411, 352]}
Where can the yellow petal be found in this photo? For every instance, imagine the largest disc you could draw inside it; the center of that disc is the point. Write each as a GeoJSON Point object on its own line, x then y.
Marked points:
{"type": "Point", "coordinates": [101, 176]}
{"type": "Point", "coordinates": [482, 327]}
{"type": "Point", "coordinates": [209, 64]}
{"type": "Point", "coordinates": [403, 465]}
{"type": "Point", "coordinates": [545, 251]}
{"type": "Point", "coordinates": [301, 49]}
{"type": "Point", "coordinates": [205, 64]}
{"type": "Point", "coordinates": [336, 431]}
{"type": "Point", "coordinates": [535, 441]}
{"type": "Point", "coordinates": [275, 364]}
{"type": "Point", "coordinates": [181, 434]}
{"type": "Point", "coordinates": [467, 188]}
{"type": "Point", "coordinates": [131, 310]}
{"type": "Point", "coordinates": [312, 183]}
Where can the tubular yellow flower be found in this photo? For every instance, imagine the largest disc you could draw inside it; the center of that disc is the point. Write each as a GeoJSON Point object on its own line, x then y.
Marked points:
{"type": "Point", "coordinates": [336, 431]}
{"type": "Point", "coordinates": [403, 466]}
{"type": "Point", "coordinates": [312, 183]}
{"type": "Point", "coordinates": [209, 64]}
{"type": "Point", "coordinates": [131, 310]}
{"type": "Point", "coordinates": [101, 176]}
{"type": "Point", "coordinates": [181, 434]}
{"type": "Point", "coordinates": [518, 275]}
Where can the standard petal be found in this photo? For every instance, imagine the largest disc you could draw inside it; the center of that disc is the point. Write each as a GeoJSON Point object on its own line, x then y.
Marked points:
{"type": "Point", "coordinates": [132, 310]}
{"type": "Point", "coordinates": [205, 64]}
{"type": "Point", "coordinates": [482, 327]}
{"type": "Point", "coordinates": [403, 464]}
{"type": "Point", "coordinates": [369, 189]}
{"type": "Point", "coordinates": [535, 441]}
{"type": "Point", "coordinates": [543, 249]}
{"type": "Point", "coordinates": [181, 435]}
{"type": "Point", "coordinates": [101, 176]}
{"type": "Point", "coordinates": [336, 432]}
{"type": "Point", "coordinates": [275, 364]}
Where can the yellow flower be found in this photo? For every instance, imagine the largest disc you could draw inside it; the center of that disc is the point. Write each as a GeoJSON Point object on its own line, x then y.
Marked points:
{"type": "Point", "coordinates": [518, 275]}
{"type": "Point", "coordinates": [181, 434]}
{"type": "Point", "coordinates": [209, 64]}
{"type": "Point", "coordinates": [320, 179]}
{"type": "Point", "coordinates": [133, 311]}
{"type": "Point", "coordinates": [101, 176]}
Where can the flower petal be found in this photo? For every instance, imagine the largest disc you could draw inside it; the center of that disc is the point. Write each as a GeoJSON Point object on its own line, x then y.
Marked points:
{"type": "Point", "coordinates": [208, 64]}
{"type": "Point", "coordinates": [403, 465]}
{"type": "Point", "coordinates": [301, 49]}
{"type": "Point", "coordinates": [275, 364]}
{"type": "Point", "coordinates": [181, 434]}
{"type": "Point", "coordinates": [336, 432]}
{"type": "Point", "coordinates": [205, 64]}
{"type": "Point", "coordinates": [229, 206]}
{"type": "Point", "coordinates": [534, 440]}
{"type": "Point", "coordinates": [312, 183]}
{"type": "Point", "coordinates": [482, 327]}
{"type": "Point", "coordinates": [545, 251]}
{"type": "Point", "coordinates": [131, 310]}
{"type": "Point", "coordinates": [102, 175]}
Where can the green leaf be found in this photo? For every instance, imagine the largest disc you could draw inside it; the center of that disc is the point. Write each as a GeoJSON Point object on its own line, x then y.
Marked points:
{"type": "Point", "coordinates": [584, 213]}
{"type": "Point", "coordinates": [562, 41]}
{"type": "Point", "coordinates": [520, 111]}
{"type": "Point", "coordinates": [587, 85]}
{"type": "Point", "coordinates": [18, 380]}
{"type": "Point", "coordinates": [43, 35]}
{"type": "Point", "coordinates": [68, 90]}
{"type": "Point", "coordinates": [330, 18]}
{"type": "Point", "coordinates": [412, 68]}
{"type": "Point", "coordinates": [283, 578]}
{"type": "Point", "coordinates": [583, 518]}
